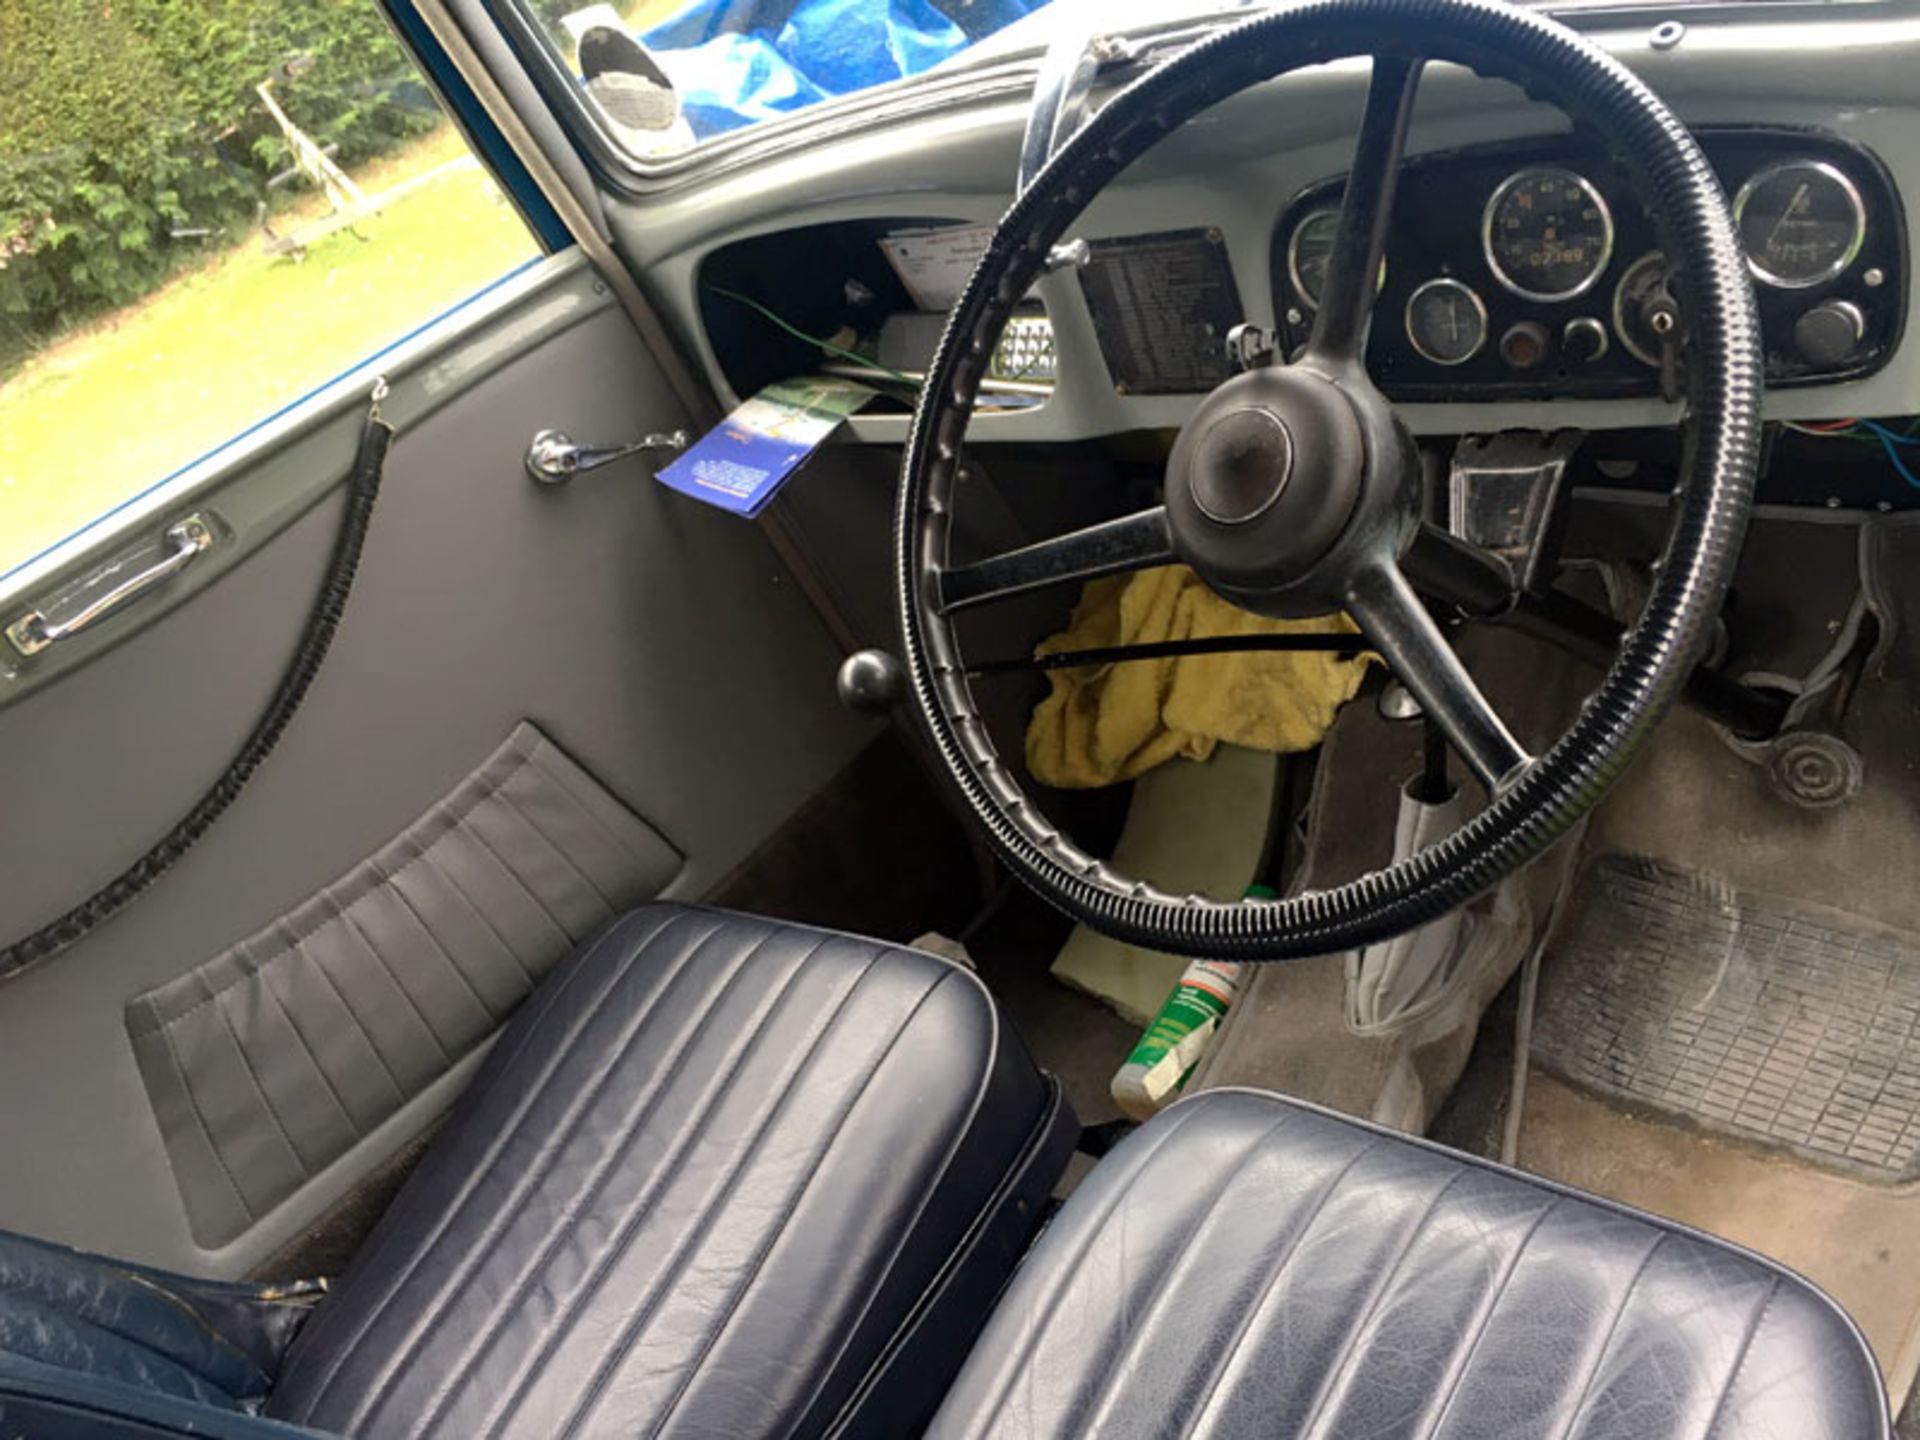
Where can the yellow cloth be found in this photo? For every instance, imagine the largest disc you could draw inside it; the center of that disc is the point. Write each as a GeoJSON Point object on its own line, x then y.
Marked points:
{"type": "Point", "coordinates": [1099, 725]}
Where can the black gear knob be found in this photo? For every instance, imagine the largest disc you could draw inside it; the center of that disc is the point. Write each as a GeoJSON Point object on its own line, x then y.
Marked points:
{"type": "Point", "coordinates": [871, 682]}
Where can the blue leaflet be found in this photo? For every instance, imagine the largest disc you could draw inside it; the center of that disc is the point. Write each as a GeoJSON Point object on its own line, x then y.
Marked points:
{"type": "Point", "coordinates": [743, 461]}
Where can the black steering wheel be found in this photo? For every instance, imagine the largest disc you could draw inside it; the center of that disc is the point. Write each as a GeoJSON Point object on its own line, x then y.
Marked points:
{"type": "Point", "coordinates": [1295, 490]}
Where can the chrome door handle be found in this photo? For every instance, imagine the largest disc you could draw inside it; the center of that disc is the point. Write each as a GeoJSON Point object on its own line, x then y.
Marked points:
{"type": "Point", "coordinates": [555, 457]}
{"type": "Point", "coordinates": [34, 632]}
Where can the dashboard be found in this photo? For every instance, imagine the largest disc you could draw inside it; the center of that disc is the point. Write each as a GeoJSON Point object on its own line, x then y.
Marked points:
{"type": "Point", "coordinates": [1761, 85]}
{"type": "Point", "coordinates": [1533, 270]}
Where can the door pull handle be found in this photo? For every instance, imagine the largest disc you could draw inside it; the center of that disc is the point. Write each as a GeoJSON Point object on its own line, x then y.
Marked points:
{"type": "Point", "coordinates": [185, 542]}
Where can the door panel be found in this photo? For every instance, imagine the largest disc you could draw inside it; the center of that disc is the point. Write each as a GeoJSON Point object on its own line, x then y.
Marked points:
{"type": "Point", "coordinates": [656, 642]}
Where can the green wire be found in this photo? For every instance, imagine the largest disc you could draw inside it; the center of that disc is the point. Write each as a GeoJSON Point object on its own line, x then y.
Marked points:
{"type": "Point", "coordinates": [827, 345]}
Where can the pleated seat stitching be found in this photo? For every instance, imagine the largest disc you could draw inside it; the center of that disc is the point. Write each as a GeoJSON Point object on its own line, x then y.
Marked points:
{"type": "Point", "coordinates": [989, 1062]}
{"type": "Point", "coordinates": [579, 1106]}
{"type": "Point", "coordinates": [1457, 1370]}
{"type": "Point", "coordinates": [1740, 1360]}
{"type": "Point", "coordinates": [1606, 1341]}
{"type": "Point", "coordinates": [1171, 1273]}
{"type": "Point", "coordinates": [1066, 1270]}
{"type": "Point", "coordinates": [630, 1222]}
{"type": "Point", "coordinates": [529, 1022]}
{"type": "Point", "coordinates": [767, 1247]}
{"type": "Point", "coordinates": [1350, 1350]}
{"type": "Point", "coordinates": [1268, 1286]}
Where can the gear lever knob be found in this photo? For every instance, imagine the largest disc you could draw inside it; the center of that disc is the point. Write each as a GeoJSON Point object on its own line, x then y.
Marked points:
{"type": "Point", "coordinates": [871, 682]}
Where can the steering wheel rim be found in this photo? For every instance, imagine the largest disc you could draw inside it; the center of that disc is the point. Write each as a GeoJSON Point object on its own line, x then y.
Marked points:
{"type": "Point", "coordinates": [1534, 801]}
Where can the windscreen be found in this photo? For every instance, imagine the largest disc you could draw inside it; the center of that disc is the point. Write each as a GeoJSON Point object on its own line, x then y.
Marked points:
{"type": "Point", "coordinates": [667, 74]}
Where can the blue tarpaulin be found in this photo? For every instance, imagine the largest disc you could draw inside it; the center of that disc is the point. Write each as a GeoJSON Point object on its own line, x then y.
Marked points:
{"type": "Point", "coordinates": [819, 49]}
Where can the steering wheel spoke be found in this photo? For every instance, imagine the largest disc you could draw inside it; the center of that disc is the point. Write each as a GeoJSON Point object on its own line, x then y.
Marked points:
{"type": "Point", "coordinates": [1391, 615]}
{"type": "Point", "coordinates": [1113, 547]}
{"type": "Point", "coordinates": [1469, 577]}
{"type": "Point", "coordinates": [1353, 269]}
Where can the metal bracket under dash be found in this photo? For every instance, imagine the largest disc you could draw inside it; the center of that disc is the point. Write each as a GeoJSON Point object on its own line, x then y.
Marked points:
{"type": "Point", "coordinates": [1501, 491]}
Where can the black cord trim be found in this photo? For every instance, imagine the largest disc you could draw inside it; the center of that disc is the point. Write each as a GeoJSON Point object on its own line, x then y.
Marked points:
{"type": "Point", "coordinates": [315, 640]}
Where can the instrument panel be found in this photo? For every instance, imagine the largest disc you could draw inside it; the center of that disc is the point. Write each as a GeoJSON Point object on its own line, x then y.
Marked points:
{"type": "Point", "coordinates": [1533, 269]}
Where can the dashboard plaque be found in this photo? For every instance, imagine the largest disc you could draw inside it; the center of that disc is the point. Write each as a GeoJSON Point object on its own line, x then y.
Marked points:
{"type": "Point", "coordinates": [1162, 306]}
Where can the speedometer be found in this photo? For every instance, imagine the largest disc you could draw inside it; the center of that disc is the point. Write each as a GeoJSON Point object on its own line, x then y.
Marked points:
{"type": "Point", "coordinates": [1547, 234]}
{"type": "Point", "coordinates": [1801, 222]}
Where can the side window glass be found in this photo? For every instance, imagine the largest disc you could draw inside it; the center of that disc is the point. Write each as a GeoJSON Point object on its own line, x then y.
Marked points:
{"type": "Point", "coordinates": [208, 210]}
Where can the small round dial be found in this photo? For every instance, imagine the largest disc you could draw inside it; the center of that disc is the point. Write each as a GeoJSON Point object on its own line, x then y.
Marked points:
{"type": "Point", "coordinates": [1446, 322]}
{"type": "Point", "coordinates": [1802, 222]}
{"type": "Point", "coordinates": [1547, 233]}
{"type": "Point", "coordinates": [1646, 313]}
{"type": "Point", "coordinates": [1307, 252]}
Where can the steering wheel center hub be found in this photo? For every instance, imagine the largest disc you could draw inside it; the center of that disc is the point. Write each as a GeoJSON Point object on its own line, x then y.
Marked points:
{"type": "Point", "coordinates": [1264, 480]}
{"type": "Point", "coordinates": [1241, 465]}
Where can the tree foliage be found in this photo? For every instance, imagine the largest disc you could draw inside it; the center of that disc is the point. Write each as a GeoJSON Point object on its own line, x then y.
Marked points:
{"type": "Point", "coordinates": [123, 122]}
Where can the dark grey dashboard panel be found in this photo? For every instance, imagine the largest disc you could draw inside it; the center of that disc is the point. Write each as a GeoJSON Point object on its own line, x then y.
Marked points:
{"type": "Point", "coordinates": [1443, 231]}
{"type": "Point", "coordinates": [656, 640]}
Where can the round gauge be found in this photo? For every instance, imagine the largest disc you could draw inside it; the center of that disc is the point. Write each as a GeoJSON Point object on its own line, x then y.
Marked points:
{"type": "Point", "coordinates": [1446, 322]}
{"type": "Point", "coordinates": [1801, 222]}
{"type": "Point", "coordinates": [1307, 254]}
{"type": "Point", "coordinates": [1547, 234]}
{"type": "Point", "coordinates": [1645, 309]}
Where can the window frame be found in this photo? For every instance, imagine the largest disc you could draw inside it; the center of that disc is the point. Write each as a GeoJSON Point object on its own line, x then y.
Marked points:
{"type": "Point", "coordinates": [170, 490]}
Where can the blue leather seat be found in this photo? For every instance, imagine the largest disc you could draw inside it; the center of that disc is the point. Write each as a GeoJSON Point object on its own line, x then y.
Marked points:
{"type": "Point", "coordinates": [1246, 1266]}
{"type": "Point", "coordinates": [721, 1176]}
{"type": "Point", "coordinates": [725, 1177]}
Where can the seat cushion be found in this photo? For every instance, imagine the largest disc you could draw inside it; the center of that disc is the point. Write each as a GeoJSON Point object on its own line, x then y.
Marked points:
{"type": "Point", "coordinates": [722, 1177]}
{"type": "Point", "coordinates": [1246, 1266]}
{"type": "Point", "coordinates": [66, 1313]}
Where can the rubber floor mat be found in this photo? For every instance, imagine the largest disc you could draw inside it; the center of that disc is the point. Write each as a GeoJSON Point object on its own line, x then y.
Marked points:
{"type": "Point", "coordinates": [1765, 1019]}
